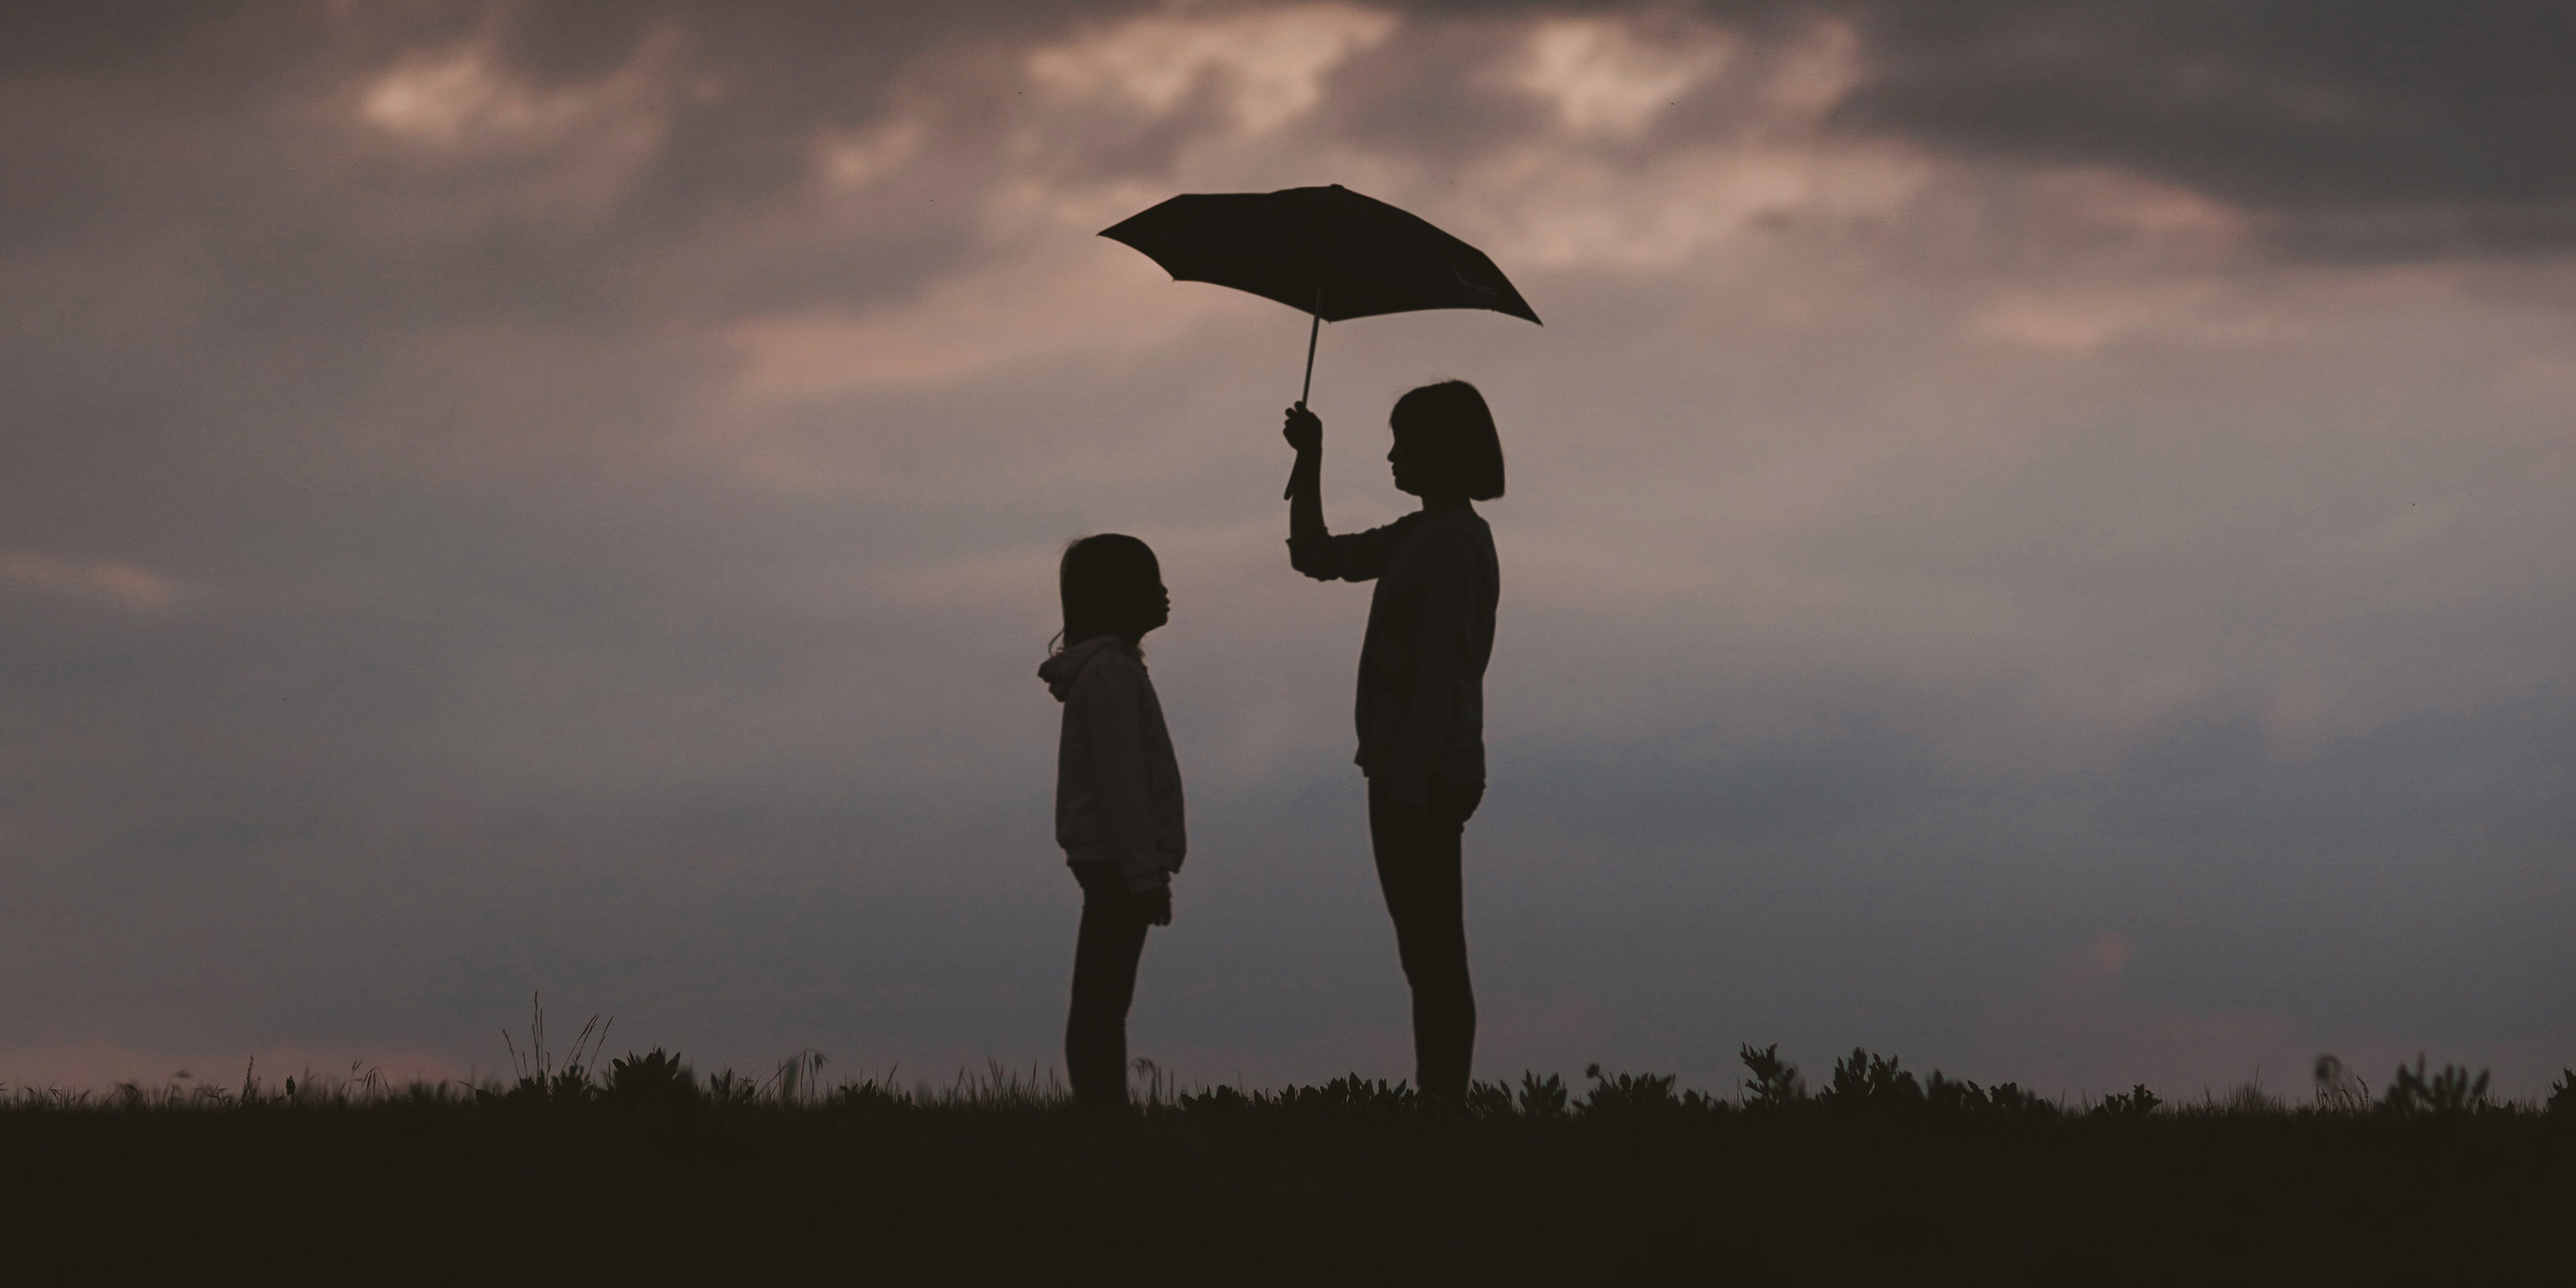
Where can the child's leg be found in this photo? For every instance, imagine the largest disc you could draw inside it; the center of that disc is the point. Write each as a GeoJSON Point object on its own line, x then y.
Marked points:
{"type": "Point", "coordinates": [1418, 869]}
{"type": "Point", "coordinates": [1104, 984]}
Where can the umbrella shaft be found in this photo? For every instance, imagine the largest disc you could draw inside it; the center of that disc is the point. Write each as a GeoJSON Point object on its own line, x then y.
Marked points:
{"type": "Point", "coordinates": [1312, 330]}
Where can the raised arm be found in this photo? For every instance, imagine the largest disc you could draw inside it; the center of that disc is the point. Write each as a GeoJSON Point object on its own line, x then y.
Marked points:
{"type": "Point", "coordinates": [1307, 536]}
{"type": "Point", "coordinates": [1312, 548]}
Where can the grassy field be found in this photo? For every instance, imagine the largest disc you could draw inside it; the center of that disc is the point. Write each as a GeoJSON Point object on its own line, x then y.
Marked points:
{"type": "Point", "coordinates": [643, 1171]}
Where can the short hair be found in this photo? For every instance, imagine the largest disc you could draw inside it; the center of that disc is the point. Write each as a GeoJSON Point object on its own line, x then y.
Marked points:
{"type": "Point", "coordinates": [1449, 431]}
{"type": "Point", "coordinates": [1101, 580]}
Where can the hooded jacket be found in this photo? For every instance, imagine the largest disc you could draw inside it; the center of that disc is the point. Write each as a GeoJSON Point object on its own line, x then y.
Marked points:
{"type": "Point", "coordinates": [1117, 783]}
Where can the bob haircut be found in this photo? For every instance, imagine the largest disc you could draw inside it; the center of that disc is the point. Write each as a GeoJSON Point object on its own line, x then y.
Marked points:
{"type": "Point", "coordinates": [1452, 432]}
{"type": "Point", "coordinates": [1103, 580]}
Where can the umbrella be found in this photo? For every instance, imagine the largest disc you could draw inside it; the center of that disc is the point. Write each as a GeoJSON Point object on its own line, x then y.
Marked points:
{"type": "Point", "coordinates": [1329, 251]}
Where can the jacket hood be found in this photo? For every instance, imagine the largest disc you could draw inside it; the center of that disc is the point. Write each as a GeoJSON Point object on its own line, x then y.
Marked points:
{"type": "Point", "coordinates": [1059, 670]}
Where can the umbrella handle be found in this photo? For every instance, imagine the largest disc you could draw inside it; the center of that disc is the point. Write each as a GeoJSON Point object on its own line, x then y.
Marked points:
{"type": "Point", "coordinates": [1313, 329]}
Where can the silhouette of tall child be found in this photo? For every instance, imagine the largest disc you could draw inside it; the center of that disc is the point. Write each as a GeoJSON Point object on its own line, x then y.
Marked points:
{"type": "Point", "coordinates": [1117, 795]}
{"type": "Point", "coordinates": [1421, 709]}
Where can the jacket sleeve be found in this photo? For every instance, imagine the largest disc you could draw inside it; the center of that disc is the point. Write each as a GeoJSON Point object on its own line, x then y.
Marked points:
{"type": "Point", "coordinates": [1358, 556]}
{"type": "Point", "coordinates": [1450, 573]}
{"type": "Point", "coordinates": [1111, 691]}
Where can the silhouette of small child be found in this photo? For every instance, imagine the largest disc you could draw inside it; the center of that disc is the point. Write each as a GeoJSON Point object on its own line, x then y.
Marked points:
{"type": "Point", "coordinates": [1117, 795]}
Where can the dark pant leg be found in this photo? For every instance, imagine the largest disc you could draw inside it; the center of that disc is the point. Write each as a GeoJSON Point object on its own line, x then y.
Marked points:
{"type": "Point", "coordinates": [1104, 984]}
{"type": "Point", "coordinates": [1418, 868]}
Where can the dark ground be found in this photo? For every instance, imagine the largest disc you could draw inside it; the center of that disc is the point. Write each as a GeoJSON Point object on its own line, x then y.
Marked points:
{"type": "Point", "coordinates": [908, 1193]}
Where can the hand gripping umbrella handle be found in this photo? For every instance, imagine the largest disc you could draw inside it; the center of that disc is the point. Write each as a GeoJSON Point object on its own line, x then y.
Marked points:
{"type": "Point", "coordinates": [1313, 329]}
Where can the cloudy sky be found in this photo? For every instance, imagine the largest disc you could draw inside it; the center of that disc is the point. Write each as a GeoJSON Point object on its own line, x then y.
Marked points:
{"type": "Point", "coordinates": [2038, 536]}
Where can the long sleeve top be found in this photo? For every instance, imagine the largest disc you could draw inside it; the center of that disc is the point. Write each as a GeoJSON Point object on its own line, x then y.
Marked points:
{"type": "Point", "coordinates": [1421, 706]}
{"type": "Point", "coordinates": [1117, 782]}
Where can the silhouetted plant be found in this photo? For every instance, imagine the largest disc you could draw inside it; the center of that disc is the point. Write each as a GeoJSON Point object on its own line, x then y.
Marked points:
{"type": "Point", "coordinates": [1627, 1094]}
{"type": "Point", "coordinates": [1943, 1095]}
{"type": "Point", "coordinates": [1489, 1100]}
{"type": "Point", "coordinates": [799, 1077]}
{"type": "Point", "coordinates": [1952, 1096]}
{"type": "Point", "coordinates": [2247, 1098]}
{"type": "Point", "coordinates": [2136, 1102]}
{"type": "Point", "coordinates": [1157, 1089]}
{"type": "Point", "coordinates": [868, 1095]}
{"type": "Point", "coordinates": [659, 1078]}
{"type": "Point", "coordinates": [1776, 1084]}
{"type": "Point", "coordinates": [1864, 1081]}
{"type": "Point", "coordinates": [538, 1081]}
{"type": "Point", "coordinates": [2338, 1089]}
{"type": "Point", "coordinates": [1542, 1097]}
{"type": "Point", "coordinates": [2562, 1093]}
{"type": "Point", "coordinates": [2451, 1091]}
{"type": "Point", "coordinates": [1221, 1100]}
{"type": "Point", "coordinates": [361, 1085]}
{"type": "Point", "coordinates": [998, 1087]}
{"type": "Point", "coordinates": [731, 1089]}
{"type": "Point", "coordinates": [1351, 1092]}
{"type": "Point", "coordinates": [2010, 1098]}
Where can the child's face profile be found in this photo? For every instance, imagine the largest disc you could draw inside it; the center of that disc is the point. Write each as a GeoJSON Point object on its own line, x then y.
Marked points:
{"type": "Point", "coordinates": [1155, 606]}
{"type": "Point", "coordinates": [1400, 463]}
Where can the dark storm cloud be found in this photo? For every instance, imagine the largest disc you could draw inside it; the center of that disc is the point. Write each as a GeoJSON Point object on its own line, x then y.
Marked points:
{"type": "Point", "coordinates": [2378, 130]}
{"type": "Point", "coordinates": [2390, 128]}
{"type": "Point", "coordinates": [226, 134]}
{"type": "Point", "coordinates": [2383, 129]}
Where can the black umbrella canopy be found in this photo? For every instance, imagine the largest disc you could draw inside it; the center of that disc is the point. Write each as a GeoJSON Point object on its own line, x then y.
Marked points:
{"type": "Point", "coordinates": [1327, 251]}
